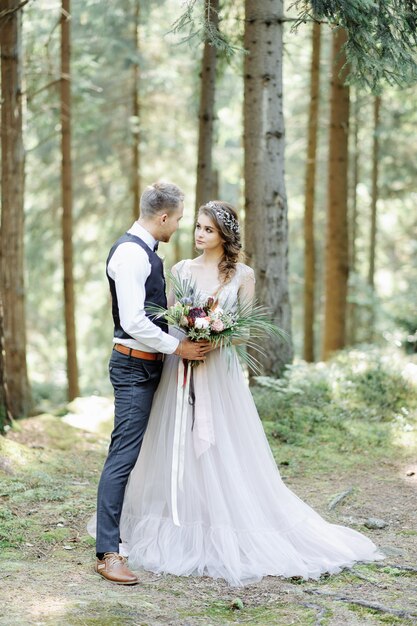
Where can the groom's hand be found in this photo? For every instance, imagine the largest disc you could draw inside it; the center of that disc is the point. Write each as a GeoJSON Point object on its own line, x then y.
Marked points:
{"type": "Point", "coordinates": [193, 350]}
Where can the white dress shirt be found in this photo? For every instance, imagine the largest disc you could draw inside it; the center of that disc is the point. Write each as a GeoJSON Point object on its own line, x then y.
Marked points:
{"type": "Point", "coordinates": [129, 267]}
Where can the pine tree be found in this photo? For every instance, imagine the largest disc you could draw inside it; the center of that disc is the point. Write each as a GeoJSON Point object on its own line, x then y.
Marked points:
{"type": "Point", "coordinates": [381, 37]}
{"type": "Point", "coordinates": [135, 113]}
{"type": "Point", "coordinates": [266, 218]}
{"type": "Point", "coordinates": [67, 219]}
{"type": "Point", "coordinates": [12, 210]}
{"type": "Point", "coordinates": [309, 249]}
{"type": "Point", "coordinates": [206, 113]}
{"type": "Point", "coordinates": [337, 263]}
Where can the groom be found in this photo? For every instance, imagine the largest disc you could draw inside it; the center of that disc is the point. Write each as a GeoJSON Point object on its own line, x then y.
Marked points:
{"type": "Point", "coordinates": [136, 279]}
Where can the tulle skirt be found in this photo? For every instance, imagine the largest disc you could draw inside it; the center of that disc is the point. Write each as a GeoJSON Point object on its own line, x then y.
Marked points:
{"type": "Point", "coordinates": [206, 496]}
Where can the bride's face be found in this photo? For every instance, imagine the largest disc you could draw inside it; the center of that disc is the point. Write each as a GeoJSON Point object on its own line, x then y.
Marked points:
{"type": "Point", "coordinates": [206, 235]}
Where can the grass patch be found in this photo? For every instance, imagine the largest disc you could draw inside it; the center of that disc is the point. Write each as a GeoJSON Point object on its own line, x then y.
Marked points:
{"type": "Point", "coordinates": [316, 422]}
{"type": "Point", "coordinates": [100, 615]}
{"type": "Point", "coordinates": [382, 618]}
{"type": "Point", "coordinates": [13, 529]}
{"type": "Point", "coordinates": [221, 612]}
{"type": "Point", "coordinates": [358, 404]}
{"type": "Point", "coordinates": [47, 492]}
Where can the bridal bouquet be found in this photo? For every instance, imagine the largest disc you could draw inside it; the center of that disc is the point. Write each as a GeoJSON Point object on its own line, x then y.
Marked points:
{"type": "Point", "coordinates": [201, 320]}
{"type": "Point", "coordinates": [227, 326]}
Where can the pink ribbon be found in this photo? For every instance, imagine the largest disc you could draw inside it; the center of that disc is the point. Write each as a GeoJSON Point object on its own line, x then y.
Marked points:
{"type": "Point", "coordinates": [203, 431]}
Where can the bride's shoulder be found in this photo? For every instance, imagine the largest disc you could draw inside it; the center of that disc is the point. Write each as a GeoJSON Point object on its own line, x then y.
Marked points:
{"type": "Point", "coordinates": [245, 272]}
{"type": "Point", "coordinates": [180, 266]}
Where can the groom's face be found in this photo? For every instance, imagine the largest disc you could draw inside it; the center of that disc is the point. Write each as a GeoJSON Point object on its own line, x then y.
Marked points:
{"type": "Point", "coordinates": [169, 223]}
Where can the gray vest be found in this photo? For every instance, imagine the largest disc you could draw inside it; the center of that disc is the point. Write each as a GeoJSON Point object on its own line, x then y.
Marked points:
{"type": "Point", "coordinates": [155, 287]}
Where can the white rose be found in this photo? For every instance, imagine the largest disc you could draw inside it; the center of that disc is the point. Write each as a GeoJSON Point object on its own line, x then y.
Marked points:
{"type": "Point", "coordinates": [201, 322]}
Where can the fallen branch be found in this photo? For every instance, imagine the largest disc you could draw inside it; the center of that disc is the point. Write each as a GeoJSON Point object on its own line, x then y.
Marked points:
{"type": "Point", "coordinates": [366, 605]}
{"type": "Point", "coordinates": [321, 612]}
{"type": "Point", "coordinates": [365, 578]}
{"type": "Point", "coordinates": [338, 499]}
{"type": "Point", "coordinates": [406, 568]}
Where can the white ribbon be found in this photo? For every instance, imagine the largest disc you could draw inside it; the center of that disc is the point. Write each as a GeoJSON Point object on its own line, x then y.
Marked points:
{"type": "Point", "coordinates": [180, 425]}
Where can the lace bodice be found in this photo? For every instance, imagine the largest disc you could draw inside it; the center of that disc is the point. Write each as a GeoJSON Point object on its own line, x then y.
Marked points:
{"type": "Point", "coordinates": [240, 288]}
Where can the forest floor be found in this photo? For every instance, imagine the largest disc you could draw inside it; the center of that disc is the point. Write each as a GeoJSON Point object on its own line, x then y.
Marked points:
{"type": "Point", "coordinates": [48, 476]}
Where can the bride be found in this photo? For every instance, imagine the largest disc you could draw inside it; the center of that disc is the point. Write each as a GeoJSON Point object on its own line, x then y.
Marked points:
{"type": "Point", "coordinates": [206, 496]}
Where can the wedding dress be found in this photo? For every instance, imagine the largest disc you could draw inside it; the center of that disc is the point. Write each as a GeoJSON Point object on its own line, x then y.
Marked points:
{"type": "Point", "coordinates": [206, 496]}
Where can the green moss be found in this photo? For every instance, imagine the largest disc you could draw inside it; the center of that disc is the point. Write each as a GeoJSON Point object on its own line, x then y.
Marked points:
{"type": "Point", "coordinates": [55, 535]}
{"type": "Point", "coordinates": [357, 403]}
{"type": "Point", "coordinates": [13, 528]}
{"type": "Point", "coordinates": [381, 617]}
{"type": "Point", "coordinates": [223, 612]}
{"type": "Point", "coordinates": [393, 571]}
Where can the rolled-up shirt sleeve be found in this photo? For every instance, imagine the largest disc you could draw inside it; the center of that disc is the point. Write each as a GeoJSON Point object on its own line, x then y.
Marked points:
{"type": "Point", "coordinates": [129, 267]}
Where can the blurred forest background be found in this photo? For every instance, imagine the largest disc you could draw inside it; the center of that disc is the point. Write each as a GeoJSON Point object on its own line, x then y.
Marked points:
{"type": "Point", "coordinates": [302, 115]}
{"type": "Point", "coordinates": [135, 106]}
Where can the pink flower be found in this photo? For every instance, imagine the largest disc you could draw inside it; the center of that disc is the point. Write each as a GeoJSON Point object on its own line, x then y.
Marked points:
{"type": "Point", "coordinates": [217, 326]}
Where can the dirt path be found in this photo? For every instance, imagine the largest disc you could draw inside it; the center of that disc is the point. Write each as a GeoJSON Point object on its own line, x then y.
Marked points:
{"type": "Point", "coordinates": [48, 476]}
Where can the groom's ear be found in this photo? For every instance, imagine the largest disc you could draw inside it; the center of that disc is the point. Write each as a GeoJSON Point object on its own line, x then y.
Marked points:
{"type": "Point", "coordinates": [163, 218]}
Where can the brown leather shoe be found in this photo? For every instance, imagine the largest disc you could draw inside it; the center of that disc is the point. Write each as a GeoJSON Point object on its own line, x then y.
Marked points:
{"type": "Point", "coordinates": [113, 568]}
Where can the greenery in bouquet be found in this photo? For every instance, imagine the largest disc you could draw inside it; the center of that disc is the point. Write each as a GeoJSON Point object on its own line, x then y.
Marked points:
{"type": "Point", "coordinates": [225, 326]}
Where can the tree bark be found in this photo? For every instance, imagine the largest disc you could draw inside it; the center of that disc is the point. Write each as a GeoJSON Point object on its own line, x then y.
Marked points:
{"type": "Point", "coordinates": [353, 221]}
{"type": "Point", "coordinates": [337, 263]}
{"type": "Point", "coordinates": [136, 115]}
{"type": "Point", "coordinates": [5, 412]}
{"type": "Point", "coordinates": [67, 219]}
{"type": "Point", "coordinates": [373, 229]}
{"type": "Point", "coordinates": [309, 249]}
{"type": "Point", "coordinates": [374, 195]}
{"type": "Point", "coordinates": [204, 184]}
{"type": "Point", "coordinates": [12, 212]}
{"type": "Point", "coordinates": [266, 221]}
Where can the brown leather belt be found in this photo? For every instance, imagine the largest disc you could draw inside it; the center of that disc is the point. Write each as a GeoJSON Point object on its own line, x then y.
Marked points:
{"type": "Point", "coordinates": [138, 354]}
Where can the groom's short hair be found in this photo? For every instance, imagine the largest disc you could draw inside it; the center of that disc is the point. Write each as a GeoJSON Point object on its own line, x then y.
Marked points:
{"type": "Point", "coordinates": [160, 197]}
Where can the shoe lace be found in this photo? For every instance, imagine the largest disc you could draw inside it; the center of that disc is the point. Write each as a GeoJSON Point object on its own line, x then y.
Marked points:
{"type": "Point", "coordinates": [112, 557]}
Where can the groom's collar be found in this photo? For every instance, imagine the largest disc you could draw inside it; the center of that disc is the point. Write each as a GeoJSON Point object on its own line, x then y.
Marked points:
{"type": "Point", "coordinates": [143, 234]}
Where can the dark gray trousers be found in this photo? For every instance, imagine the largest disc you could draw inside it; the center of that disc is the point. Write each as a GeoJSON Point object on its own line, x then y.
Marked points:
{"type": "Point", "coordinates": [134, 382]}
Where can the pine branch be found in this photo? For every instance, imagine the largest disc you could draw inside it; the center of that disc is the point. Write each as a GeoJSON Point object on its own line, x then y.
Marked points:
{"type": "Point", "coordinates": [30, 96]}
{"type": "Point", "coordinates": [382, 36]}
{"type": "Point", "coordinates": [8, 12]}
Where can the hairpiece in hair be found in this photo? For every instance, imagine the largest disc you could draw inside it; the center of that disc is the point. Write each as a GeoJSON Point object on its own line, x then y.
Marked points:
{"type": "Point", "coordinates": [224, 216]}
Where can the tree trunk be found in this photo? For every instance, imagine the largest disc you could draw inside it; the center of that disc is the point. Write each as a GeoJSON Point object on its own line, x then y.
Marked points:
{"type": "Point", "coordinates": [72, 368]}
{"type": "Point", "coordinates": [337, 263]}
{"type": "Point", "coordinates": [353, 222]}
{"type": "Point", "coordinates": [6, 417]}
{"type": "Point", "coordinates": [374, 196]}
{"type": "Point", "coordinates": [206, 113]}
{"type": "Point", "coordinates": [12, 212]}
{"type": "Point", "coordinates": [266, 221]}
{"type": "Point", "coordinates": [309, 250]}
{"type": "Point", "coordinates": [136, 114]}
{"type": "Point", "coordinates": [373, 229]}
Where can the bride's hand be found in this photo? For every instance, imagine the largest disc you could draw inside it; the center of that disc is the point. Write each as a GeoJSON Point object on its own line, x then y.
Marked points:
{"type": "Point", "coordinates": [193, 350]}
